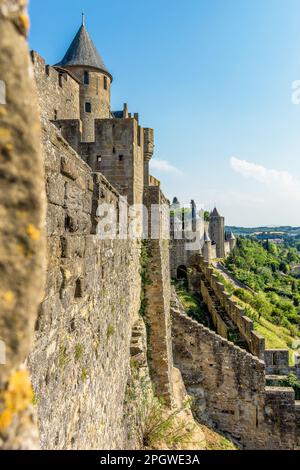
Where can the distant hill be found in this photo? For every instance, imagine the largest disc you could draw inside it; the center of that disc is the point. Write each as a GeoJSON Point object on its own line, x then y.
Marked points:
{"type": "Point", "coordinates": [266, 232]}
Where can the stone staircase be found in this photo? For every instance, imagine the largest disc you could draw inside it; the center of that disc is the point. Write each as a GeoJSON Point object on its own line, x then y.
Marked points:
{"type": "Point", "coordinates": [138, 346]}
{"type": "Point", "coordinates": [230, 386]}
{"type": "Point", "coordinates": [222, 322]}
{"type": "Point", "coordinates": [276, 376]}
{"type": "Point", "coordinates": [275, 380]}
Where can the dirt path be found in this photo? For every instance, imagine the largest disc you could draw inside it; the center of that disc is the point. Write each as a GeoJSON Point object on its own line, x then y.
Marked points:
{"type": "Point", "coordinates": [229, 277]}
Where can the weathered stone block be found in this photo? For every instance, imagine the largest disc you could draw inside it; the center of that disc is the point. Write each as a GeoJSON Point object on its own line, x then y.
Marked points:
{"type": "Point", "coordinates": [69, 167]}
{"type": "Point", "coordinates": [87, 203]}
{"type": "Point", "coordinates": [55, 220]}
{"type": "Point", "coordinates": [53, 283]}
{"type": "Point", "coordinates": [73, 197]}
{"type": "Point", "coordinates": [53, 251]}
{"type": "Point", "coordinates": [77, 222]}
{"type": "Point", "coordinates": [55, 188]}
{"type": "Point", "coordinates": [72, 246]}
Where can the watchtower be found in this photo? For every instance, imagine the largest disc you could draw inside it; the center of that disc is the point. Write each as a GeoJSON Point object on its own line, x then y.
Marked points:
{"type": "Point", "coordinates": [83, 61]}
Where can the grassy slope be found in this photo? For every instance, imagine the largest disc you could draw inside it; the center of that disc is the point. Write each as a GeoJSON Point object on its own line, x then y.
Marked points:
{"type": "Point", "coordinates": [191, 304]}
{"type": "Point", "coordinates": [277, 337]}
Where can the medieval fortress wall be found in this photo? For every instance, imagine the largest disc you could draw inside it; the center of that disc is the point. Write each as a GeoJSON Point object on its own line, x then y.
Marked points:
{"type": "Point", "coordinates": [229, 387]}
{"type": "Point", "coordinates": [210, 283]}
{"type": "Point", "coordinates": [85, 324]}
{"type": "Point", "coordinates": [57, 91]}
{"type": "Point", "coordinates": [91, 304]}
{"type": "Point", "coordinates": [100, 352]}
{"type": "Point", "coordinates": [89, 318]}
{"type": "Point", "coordinates": [191, 234]}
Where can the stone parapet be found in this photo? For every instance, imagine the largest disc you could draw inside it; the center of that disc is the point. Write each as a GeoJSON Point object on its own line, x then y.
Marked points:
{"type": "Point", "coordinates": [245, 326]}
{"type": "Point", "coordinates": [228, 386]}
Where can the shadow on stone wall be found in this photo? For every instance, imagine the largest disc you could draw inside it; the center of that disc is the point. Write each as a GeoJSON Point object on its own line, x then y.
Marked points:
{"type": "Point", "coordinates": [22, 241]}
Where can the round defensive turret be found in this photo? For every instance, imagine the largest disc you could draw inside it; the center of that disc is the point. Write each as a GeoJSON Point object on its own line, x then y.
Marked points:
{"type": "Point", "coordinates": [84, 62]}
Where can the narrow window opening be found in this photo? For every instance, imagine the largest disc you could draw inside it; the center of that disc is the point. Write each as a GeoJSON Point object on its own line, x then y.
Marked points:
{"type": "Point", "coordinates": [60, 79]}
{"type": "Point", "coordinates": [121, 157]}
{"type": "Point", "coordinates": [68, 224]}
{"type": "Point", "coordinates": [118, 219]}
{"type": "Point", "coordinates": [86, 78]}
{"type": "Point", "coordinates": [105, 83]}
{"type": "Point", "coordinates": [114, 149]}
{"type": "Point", "coordinates": [99, 158]}
{"type": "Point", "coordinates": [88, 107]}
{"type": "Point", "coordinates": [78, 289]}
{"type": "Point", "coordinates": [55, 115]}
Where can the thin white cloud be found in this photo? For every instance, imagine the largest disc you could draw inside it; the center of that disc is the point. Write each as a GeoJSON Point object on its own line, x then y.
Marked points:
{"type": "Point", "coordinates": [163, 166]}
{"type": "Point", "coordinates": [277, 181]}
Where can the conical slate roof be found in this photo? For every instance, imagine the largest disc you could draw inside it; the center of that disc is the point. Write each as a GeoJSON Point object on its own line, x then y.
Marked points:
{"type": "Point", "coordinates": [215, 213]}
{"type": "Point", "coordinates": [83, 52]}
{"type": "Point", "coordinates": [231, 236]}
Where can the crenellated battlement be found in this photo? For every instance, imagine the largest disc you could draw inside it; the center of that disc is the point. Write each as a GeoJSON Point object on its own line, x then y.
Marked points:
{"type": "Point", "coordinates": [58, 91]}
{"type": "Point", "coordinates": [245, 326]}
{"type": "Point", "coordinates": [104, 337]}
{"type": "Point", "coordinates": [229, 387]}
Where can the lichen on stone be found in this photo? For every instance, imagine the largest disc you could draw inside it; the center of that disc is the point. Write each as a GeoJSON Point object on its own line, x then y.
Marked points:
{"type": "Point", "coordinates": [16, 398]}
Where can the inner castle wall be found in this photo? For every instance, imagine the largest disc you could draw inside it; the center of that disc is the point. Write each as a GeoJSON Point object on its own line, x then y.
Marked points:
{"type": "Point", "coordinates": [89, 328]}
{"type": "Point", "coordinates": [228, 386]}
{"type": "Point", "coordinates": [89, 333]}
{"type": "Point", "coordinates": [58, 91]}
{"type": "Point", "coordinates": [92, 301]}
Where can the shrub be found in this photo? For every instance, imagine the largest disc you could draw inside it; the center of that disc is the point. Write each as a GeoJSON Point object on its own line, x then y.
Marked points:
{"type": "Point", "coordinates": [164, 429]}
{"type": "Point", "coordinates": [110, 331]}
{"type": "Point", "coordinates": [78, 351]}
{"type": "Point", "coordinates": [293, 381]}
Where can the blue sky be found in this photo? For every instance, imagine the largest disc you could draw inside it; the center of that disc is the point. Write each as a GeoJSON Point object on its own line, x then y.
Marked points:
{"type": "Point", "coordinates": [214, 78]}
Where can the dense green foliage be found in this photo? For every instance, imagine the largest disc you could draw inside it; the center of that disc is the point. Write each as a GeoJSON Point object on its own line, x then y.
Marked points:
{"type": "Point", "coordinates": [294, 382]}
{"type": "Point", "coordinates": [192, 303]}
{"type": "Point", "coordinates": [266, 269]}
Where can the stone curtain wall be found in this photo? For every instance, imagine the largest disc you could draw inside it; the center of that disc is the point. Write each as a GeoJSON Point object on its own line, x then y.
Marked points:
{"type": "Point", "coordinates": [80, 362]}
{"type": "Point", "coordinates": [277, 360]}
{"type": "Point", "coordinates": [220, 325]}
{"type": "Point", "coordinates": [22, 248]}
{"type": "Point", "coordinates": [297, 409]}
{"type": "Point", "coordinates": [255, 341]}
{"type": "Point", "coordinates": [57, 91]}
{"type": "Point", "coordinates": [228, 385]}
{"type": "Point", "coordinates": [158, 294]}
{"type": "Point", "coordinates": [179, 256]}
{"type": "Point", "coordinates": [88, 325]}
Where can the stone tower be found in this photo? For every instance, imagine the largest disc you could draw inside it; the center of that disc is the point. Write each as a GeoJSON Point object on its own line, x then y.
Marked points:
{"type": "Point", "coordinates": [194, 215]}
{"type": "Point", "coordinates": [83, 61]}
{"type": "Point", "coordinates": [232, 240]}
{"type": "Point", "coordinates": [216, 232]}
{"type": "Point", "coordinates": [148, 153]}
{"type": "Point", "coordinates": [207, 249]}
